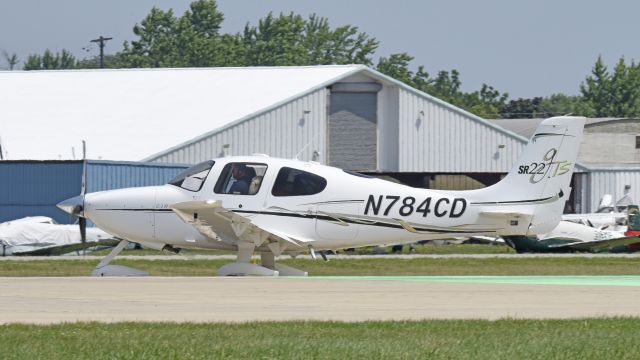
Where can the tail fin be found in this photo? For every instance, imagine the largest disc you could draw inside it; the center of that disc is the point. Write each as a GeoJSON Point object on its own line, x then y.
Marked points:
{"type": "Point", "coordinates": [539, 183]}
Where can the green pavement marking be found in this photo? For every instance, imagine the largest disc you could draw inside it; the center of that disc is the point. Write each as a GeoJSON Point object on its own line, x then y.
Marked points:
{"type": "Point", "coordinates": [619, 280]}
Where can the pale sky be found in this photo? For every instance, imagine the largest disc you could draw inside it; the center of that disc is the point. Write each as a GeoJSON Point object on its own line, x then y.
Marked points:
{"type": "Point", "coordinates": [526, 48]}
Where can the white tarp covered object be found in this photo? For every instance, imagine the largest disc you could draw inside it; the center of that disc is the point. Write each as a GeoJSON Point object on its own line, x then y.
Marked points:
{"type": "Point", "coordinates": [38, 232]}
{"type": "Point", "coordinates": [132, 114]}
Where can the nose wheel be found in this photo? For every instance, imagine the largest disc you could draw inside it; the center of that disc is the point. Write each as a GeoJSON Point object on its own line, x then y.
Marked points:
{"type": "Point", "coordinates": [104, 269]}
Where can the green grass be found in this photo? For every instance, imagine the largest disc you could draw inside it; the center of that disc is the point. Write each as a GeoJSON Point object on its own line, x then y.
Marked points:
{"type": "Point", "coordinates": [370, 267]}
{"type": "Point", "coordinates": [417, 249]}
{"type": "Point", "coordinates": [613, 338]}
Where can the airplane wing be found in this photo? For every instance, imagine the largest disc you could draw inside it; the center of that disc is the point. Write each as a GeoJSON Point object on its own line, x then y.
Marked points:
{"type": "Point", "coordinates": [477, 239]}
{"type": "Point", "coordinates": [210, 218]}
{"type": "Point", "coordinates": [67, 248]}
{"type": "Point", "coordinates": [597, 245]}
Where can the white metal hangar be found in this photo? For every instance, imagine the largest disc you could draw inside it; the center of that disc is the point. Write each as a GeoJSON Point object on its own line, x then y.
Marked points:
{"type": "Point", "coordinates": [344, 115]}
{"type": "Point", "coordinates": [349, 116]}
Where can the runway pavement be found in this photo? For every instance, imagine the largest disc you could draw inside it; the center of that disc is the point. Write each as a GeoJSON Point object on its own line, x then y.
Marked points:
{"type": "Point", "coordinates": [180, 299]}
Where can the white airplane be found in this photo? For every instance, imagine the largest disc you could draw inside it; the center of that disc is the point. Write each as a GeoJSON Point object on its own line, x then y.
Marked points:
{"type": "Point", "coordinates": [275, 206]}
{"type": "Point", "coordinates": [41, 235]}
{"type": "Point", "coordinates": [608, 216]}
{"type": "Point", "coordinates": [573, 237]}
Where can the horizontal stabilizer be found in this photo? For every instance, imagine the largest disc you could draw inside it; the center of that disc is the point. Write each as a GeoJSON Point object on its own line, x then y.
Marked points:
{"type": "Point", "coordinates": [599, 245]}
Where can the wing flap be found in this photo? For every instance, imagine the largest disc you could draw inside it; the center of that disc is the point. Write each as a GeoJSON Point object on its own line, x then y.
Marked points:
{"type": "Point", "coordinates": [210, 217]}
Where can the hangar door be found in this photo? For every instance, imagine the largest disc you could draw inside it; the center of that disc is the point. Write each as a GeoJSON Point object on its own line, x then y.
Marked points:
{"type": "Point", "coordinates": [353, 136]}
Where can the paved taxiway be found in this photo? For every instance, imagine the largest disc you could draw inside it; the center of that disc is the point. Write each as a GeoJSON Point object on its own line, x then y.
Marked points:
{"type": "Point", "coordinates": [206, 299]}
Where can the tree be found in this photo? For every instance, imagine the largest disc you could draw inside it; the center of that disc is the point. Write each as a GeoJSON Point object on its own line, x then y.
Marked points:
{"type": "Point", "coordinates": [194, 40]}
{"type": "Point", "coordinates": [561, 104]}
{"type": "Point", "coordinates": [110, 62]}
{"type": "Point", "coordinates": [523, 108]}
{"type": "Point", "coordinates": [397, 66]}
{"type": "Point", "coordinates": [616, 94]}
{"type": "Point", "coordinates": [596, 90]}
{"type": "Point", "coordinates": [446, 86]}
{"type": "Point", "coordinates": [51, 61]}
{"type": "Point", "coordinates": [486, 102]}
{"type": "Point", "coordinates": [11, 59]}
{"type": "Point", "coordinates": [625, 90]}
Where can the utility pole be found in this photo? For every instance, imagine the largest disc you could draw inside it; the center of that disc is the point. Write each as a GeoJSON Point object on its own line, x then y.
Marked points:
{"type": "Point", "coordinates": [101, 40]}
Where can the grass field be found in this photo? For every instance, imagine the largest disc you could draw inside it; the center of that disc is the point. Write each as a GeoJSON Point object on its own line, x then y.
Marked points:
{"type": "Point", "coordinates": [370, 267]}
{"type": "Point", "coordinates": [428, 248]}
{"type": "Point", "coordinates": [455, 339]}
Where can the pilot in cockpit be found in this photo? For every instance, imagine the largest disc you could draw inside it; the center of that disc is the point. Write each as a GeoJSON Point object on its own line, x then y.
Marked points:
{"type": "Point", "coordinates": [241, 176]}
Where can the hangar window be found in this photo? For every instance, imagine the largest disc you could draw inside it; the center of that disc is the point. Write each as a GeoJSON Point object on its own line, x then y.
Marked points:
{"type": "Point", "coordinates": [294, 182]}
{"type": "Point", "coordinates": [637, 142]}
{"type": "Point", "coordinates": [193, 178]}
{"type": "Point", "coordinates": [240, 179]}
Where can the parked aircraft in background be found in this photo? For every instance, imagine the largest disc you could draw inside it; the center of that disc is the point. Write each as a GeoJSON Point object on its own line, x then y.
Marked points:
{"type": "Point", "coordinates": [276, 206]}
{"type": "Point", "coordinates": [608, 216]}
{"type": "Point", "coordinates": [572, 237]}
{"type": "Point", "coordinates": [41, 235]}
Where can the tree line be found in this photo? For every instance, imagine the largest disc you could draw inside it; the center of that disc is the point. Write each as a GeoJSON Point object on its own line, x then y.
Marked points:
{"type": "Point", "coordinates": [194, 39]}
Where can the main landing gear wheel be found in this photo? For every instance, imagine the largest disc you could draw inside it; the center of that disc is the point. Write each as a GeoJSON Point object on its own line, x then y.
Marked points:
{"type": "Point", "coordinates": [243, 267]}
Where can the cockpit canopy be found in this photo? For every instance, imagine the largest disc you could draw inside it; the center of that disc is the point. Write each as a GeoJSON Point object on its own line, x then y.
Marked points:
{"type": "Point", "coordinates": [193, 178]}
{"type": "Point", "coordinates": [245, 178]}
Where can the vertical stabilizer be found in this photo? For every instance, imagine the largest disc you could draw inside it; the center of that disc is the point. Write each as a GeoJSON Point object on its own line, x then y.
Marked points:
{"type": "Point", "coordinates": [539, 182]}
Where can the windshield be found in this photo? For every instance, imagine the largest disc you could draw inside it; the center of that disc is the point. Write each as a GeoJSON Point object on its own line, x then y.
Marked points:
{"type": "Point", "coordinates": [193, 178]}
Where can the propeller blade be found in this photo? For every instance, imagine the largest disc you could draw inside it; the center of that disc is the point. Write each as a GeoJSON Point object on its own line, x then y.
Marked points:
{"type": "Point", "coordinates": [83, 229]}
{"type": "Point", "coordinates": [83, 185]}
{"type": "Point", "coordinates": [590, 223]}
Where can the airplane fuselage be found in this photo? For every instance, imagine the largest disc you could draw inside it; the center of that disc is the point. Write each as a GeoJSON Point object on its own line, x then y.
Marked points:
{"type": "Point", "coordinates": [351, 210]}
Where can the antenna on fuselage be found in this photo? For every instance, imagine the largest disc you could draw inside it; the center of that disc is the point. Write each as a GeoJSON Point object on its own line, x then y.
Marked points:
{"type": "Point", "coordinates": [315, 154]}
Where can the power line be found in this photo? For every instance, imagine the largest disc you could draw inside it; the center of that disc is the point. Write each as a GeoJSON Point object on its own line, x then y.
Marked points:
{"type": "Point", "coordinates": [101, 42]}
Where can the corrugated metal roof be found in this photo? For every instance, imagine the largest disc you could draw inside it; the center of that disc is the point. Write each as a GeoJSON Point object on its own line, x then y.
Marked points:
{"type": "Point", "coordinates": [132, 114]}
{"type": "Point", "coordinates": [526, 127]}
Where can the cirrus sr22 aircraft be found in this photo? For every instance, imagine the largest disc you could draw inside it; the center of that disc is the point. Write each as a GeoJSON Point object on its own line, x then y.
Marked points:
{"type": "Point", "coordinates": [291, 206]}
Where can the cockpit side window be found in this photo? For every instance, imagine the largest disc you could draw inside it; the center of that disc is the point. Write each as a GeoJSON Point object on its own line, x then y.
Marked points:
{"type": "Point", "coordinates": [294, 182]}
{"type": "Point", "coordinates": [240, 179]}
{"type": "Point", "coordinates": [193, 178]}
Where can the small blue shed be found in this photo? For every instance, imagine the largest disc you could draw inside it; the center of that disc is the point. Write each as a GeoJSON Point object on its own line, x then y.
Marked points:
{"type": "Point", "coordinates": [33, 188]}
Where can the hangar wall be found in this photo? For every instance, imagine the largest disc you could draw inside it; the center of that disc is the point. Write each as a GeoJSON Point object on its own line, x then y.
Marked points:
{"type": "Point", "coordinates": [388, 129]}
{"type": "Point", "coordinates": [613, 181]}
{"type": "Point", "coordinates": [437, 138]}
{"type": "Point", "coordinates": [283, 131]}
{"type": "Point", "coordinates": [106, 175]}
{"type": "Point", "coordinates": [33, 188]}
